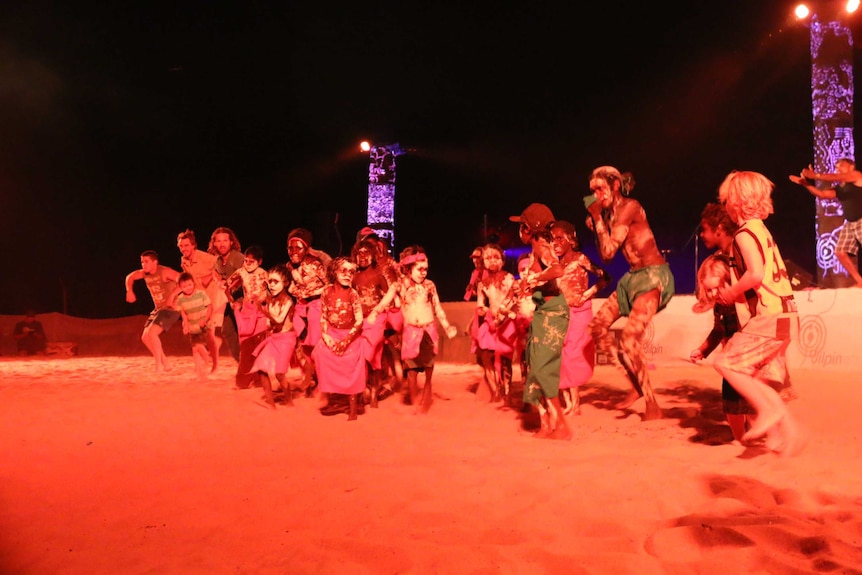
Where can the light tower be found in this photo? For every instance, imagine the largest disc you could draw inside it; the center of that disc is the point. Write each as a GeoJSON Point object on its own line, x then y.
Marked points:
{"type": "Point", "coordinates": [381, 189]}
{"type": "Point", "coordinates": [832, 111]}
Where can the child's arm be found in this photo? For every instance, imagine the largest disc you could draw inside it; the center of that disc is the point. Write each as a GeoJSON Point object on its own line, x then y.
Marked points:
{"type": "Point", "coordinates": [754, 269]}
{"type": "Point", "coordinates": [185, 318]}
{"type": "Point", "coordinates": [715, 337]}
{"type": "Point", "coordinates": [604, 278]}
{"type": "Point", "coordinates": [450, 329]}
{"type": "Point", "coordinates": [385, 302]}
{"type": "Point", "coordinates": [355, 330]}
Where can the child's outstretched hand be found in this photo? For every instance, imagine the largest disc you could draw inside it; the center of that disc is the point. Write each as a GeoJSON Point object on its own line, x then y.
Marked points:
{"type": "Point", "coordinates": [451, 331]}
{"type": "Point", "coordinates": [696, 355]}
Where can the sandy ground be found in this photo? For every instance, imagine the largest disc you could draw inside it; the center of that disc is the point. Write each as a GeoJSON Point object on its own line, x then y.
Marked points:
{"type": "Point", "coordinates": [109, 468]}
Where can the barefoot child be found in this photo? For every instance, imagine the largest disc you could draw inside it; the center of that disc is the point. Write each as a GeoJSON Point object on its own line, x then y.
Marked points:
{"type": "Point", "coordinates": [420, 305]}
{"type": "Point", "coordinates": [549, 324]}
{"type": "Point", "coordinates": [272, 355]}
{"type": "Point", "coordinates": [376, 293]}
{"type": "Point", "coordinates": [761, 291]}
{"type": "Point", "coordinates": [495, 336]}
{"type": "Point", "coordinates": [196, 310]}
{"type": "Point", "coordinates": [339, 356]}
{"type": "Point", "coordinates": [251, 324]}
{"type": "Point", "coordinates": [579, 351]}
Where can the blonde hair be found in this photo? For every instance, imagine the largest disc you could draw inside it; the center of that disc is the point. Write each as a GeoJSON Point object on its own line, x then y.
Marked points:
{"type": "Point", "coordinates": [746, 196]}
{"type": "Point", "coordinates": [711, 266]}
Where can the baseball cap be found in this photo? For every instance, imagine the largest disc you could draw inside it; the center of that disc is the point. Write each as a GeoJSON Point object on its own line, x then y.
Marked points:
{"type": "Point", "coordinates": [365, 233]}
{"type": "Point", "coordinates": [535, 216]}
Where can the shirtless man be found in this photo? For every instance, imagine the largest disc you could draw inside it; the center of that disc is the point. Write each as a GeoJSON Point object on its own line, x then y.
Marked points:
{"type": "Point", "coordinates": [620, 222]}
{"type": "Point", "coordinates": [162, 283]}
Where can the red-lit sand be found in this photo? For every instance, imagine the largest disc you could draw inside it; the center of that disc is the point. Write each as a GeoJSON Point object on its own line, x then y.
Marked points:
{"type": "Point", "coordinates": [107, 468]}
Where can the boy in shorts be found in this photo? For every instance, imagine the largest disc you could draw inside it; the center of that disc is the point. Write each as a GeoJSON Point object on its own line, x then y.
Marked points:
{"type": "Point", "coordinates": [196, 310]}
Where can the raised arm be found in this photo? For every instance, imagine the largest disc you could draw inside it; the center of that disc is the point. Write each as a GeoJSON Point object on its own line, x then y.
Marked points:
{"type": "Point", "coordinates": [828, 193]}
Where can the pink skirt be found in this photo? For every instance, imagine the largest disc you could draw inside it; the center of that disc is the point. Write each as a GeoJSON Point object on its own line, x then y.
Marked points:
{"type": "Point", "coordinates": [344, 373]}
{"type": "Point", "coordinates": [373, 334]}
{"type": "Point", "coordinates": [579, 351]}
{"type": "Point", "coordinates": [306, 318]}
{"type": "Point", "coordinates": [274, 353]}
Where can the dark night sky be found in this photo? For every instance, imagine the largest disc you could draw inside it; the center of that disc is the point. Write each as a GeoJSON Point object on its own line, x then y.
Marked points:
{"type": "Point", "coordinates": [123, 126]}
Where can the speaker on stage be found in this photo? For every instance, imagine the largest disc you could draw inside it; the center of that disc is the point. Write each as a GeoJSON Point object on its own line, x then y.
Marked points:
{"type": "Point", "coordinates": [799, 278]}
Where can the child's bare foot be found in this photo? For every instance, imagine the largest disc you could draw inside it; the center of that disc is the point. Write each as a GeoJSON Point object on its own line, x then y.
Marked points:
{"type": "Point", "coordinates": [563, 433]}
{"type": "Point", "coordinates": [762, 425]}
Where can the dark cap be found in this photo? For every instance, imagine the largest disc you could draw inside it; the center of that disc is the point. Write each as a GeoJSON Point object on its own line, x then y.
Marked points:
{"type": "Point", "coordinates": [538, 217]}
{"type": "Point", "coordinates": [366, 233]}
{"type": "Point", "coordinates": [300, 234]}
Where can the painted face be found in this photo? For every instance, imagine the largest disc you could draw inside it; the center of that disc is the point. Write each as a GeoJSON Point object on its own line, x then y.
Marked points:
{"type": "Point", "coordinates": [187, 287]}
{"type": "Point", "coordinates": [221, 243]}
{"type": "Point", "coordinates": [523, 266]}
{"type": "Point", "coordinates": [275, 283]}
{"type": "Point", "coordinates": [602, 190]}
{"type": "Point", "coordinates": [296, 250]}
{"type": "Point", "coordinates": [250, 264]}
{"type": "Point", "coordinates": [344, 274]}
{"type": "Point", "coordinates": [364, 258]}
{"type": "Point", "coordinates": [149, 265]}
{"type": "Point", "coordinates": [561, 242]}
{"type": "Point", "coordinates": [493, 260]}
{"type": "Point", "coordinates": [187, 248]}
{"type": "Point", "coordinates": [419, 272]}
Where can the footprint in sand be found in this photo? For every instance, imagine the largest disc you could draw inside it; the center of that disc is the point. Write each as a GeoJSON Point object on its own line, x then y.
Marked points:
{"type": "Point", "coordinates": [772, 531]}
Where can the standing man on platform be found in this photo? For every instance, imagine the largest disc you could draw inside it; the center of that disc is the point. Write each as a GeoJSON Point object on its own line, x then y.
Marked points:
{"type": "Point", "coordinates": [847, 189]}
{"type": "Point", "coordinates": [224, 245]}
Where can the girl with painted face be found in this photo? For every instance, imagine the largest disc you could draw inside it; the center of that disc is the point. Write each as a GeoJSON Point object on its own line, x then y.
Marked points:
{"type": "Point", "coordinates": [376, 293]}
{"type": "Point", "coordinates": [496, 333]}
{"type": "Point", "coordinates": [579, 351]}
{"type": "Point", "coordinates": [340, 354]}
{"type": "Point", "coordinates": [420, 306]}
{"type": "Point", "coordinates": [272, 356]}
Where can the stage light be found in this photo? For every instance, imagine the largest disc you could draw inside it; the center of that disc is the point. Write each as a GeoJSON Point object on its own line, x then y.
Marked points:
{"type": "Point", "coordinates": [364, 146]}
{"type": "Point", "coordinates": [802, 12]}
{"type": "Point", "coordinates": [852, 6]}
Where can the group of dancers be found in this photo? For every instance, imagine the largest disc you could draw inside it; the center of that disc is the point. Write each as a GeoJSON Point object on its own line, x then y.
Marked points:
{"type": "Point", "coordinates": [333, 317]}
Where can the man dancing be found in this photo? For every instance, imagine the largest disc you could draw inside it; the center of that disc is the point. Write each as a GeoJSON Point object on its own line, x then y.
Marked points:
{"type": "Point", "coordinates": [620, 222]}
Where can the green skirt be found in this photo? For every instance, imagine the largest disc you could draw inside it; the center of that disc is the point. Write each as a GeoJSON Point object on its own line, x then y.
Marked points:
{"type": "Point", "coordinates": [545, 348]}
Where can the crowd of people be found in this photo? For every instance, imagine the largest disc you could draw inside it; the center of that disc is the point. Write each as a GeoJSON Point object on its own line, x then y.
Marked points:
{"type": "Point", "coordinates": [361, 325]}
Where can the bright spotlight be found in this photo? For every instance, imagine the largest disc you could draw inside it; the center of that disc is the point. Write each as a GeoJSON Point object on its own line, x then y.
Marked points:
{"type": "Point", "coordinates": [364, 146]}
{"type": "Point", "coordinates": [852, 6]}
{"type": "Point", "coordinates": [802, 11]}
